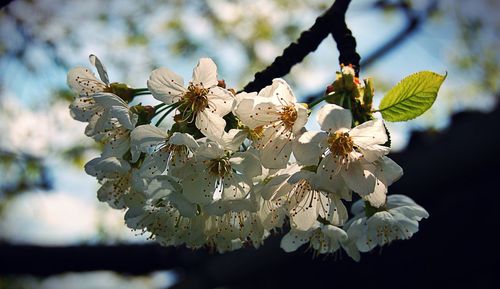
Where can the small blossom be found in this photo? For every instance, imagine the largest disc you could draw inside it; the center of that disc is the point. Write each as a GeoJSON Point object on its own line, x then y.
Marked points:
{"type": "Point", "coordinates": [276, 113]}
{"type": "Point", "coordinates": [348, 155]}
{"type": "Point", "coordinates": [202, 101]}
{"type": "Point", "coordinates": [398, 220]}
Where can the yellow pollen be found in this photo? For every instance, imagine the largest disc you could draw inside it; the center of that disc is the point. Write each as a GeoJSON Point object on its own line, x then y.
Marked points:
{"type": "Point", "coordinates": [256, 133]}
{"type": "Point", "coordinates": [218, 167]}
{"type": "Point", "coordinates": [195, 98]}
{"type": "Point", "coordinates": [288, 116]}
{"type": "Point", "coordinates": [340, 143]}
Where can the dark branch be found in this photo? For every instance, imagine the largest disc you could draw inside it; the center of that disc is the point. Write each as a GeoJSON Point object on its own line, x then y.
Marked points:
{"type": "Point", "coordinates": [414, 21]}
{"type": "Point", "coordinates": [332, 21]}
{"type": "Point", "coordinates": [130, 259]}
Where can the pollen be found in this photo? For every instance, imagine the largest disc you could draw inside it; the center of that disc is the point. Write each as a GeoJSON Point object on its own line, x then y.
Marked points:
{"type": "Point", "coordinates": [340, 144]}
{"type": "Point", "coordinates": [195, 98]}
{"type": "Point", "coordinates": [218, 167]}
{"type": "Point", "coordinates": [288, 116]}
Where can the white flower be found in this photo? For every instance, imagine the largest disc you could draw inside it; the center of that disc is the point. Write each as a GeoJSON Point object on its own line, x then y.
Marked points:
{"type": "Point", "coordinates": [212, 174]}
{"type": "Point", "coordinates": [305, 203]}
{"type": "Point", "coordinates": [83, 81]}
{"type": "Point", "coordinates": [324, 239]}
{"type": "Point", "coordinates": [348, 154]}
{"type": "Point", "coordinates": [387, 172]}
{"type": "Point", "coordinates": [280, 118]}
{"type": "Point", "coordinates": [161, 150]}
{"type": "Point", "coordinates": [117, 179]}
{"type": "Point", "coordinates": [397, 220]}
{"type": "Point", "coordinates": [202, 101]}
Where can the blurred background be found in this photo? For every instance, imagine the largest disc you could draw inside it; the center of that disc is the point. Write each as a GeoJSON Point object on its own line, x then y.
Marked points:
{"type": "Point", "coordinates": [47, 200]}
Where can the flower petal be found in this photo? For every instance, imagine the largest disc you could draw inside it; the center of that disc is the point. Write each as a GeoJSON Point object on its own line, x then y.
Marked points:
{"type": "Point", "coordinates": [332, 117]}
{"type": "Point", "coordinates": [236, 187]}
{"type": "Point", "coordinates": [294, 239]}
{"type": "Point", "coordinates": [205, 73]}
{"type": "Point", "coordinates": [82, 81]}
{"type": "Point", "coordinates": [359, 178]}
{"type": "Point", "coordinates": [166, 86]}
{"type": "Point", "coordinates": [210, 124]}
{"type": "Point", "coordinates": [220, 100]}
{"type": "Point", "coordinates": [309, 147]}
{"type": "Point", "coordinates": [369, 133]}
{"type": "Point", "coordinates": [103, 74]}
{"type": "Point", "coordinates": [145, 138]}
{"type": "Point", "coordinates": [276, 153]}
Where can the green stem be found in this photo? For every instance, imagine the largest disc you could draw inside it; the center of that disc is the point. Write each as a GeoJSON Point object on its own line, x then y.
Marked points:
{"type": "Point", "coordinates": [170, 109]}
{"type": "Point", "coordinates": [315, 102]}
{"type": "Point", "coordinates": [140, 90]}
{"type": "Point", "coordinates": [158, 106]}
{"type": "Point", "coordinates": [142, 93]}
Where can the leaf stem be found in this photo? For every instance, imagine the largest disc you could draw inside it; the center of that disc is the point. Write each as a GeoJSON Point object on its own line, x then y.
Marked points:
{"type": "Point", "coordinates": [171, 108]}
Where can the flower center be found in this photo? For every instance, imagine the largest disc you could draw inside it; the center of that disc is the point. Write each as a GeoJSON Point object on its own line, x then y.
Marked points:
{"type": "Point", "coordinates": [288, 116]}
{"type": "Point", "coordinates": [218, 167]}
{"type": "Point", "coordinates": [196, 98]}
{"type": "Point", "coordinates": [340, 143]}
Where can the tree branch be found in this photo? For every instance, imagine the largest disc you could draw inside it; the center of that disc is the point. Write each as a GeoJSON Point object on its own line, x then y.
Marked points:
{"type": "Point", "coordinates": [332, 21]}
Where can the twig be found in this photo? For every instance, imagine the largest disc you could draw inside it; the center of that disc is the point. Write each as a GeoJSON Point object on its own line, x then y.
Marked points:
{"type": "Point", "coordinates": [332, 21]}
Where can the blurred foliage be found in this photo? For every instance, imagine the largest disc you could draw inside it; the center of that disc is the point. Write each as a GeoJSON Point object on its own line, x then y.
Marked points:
{"type": "Point", "coordinates": [22, 172]}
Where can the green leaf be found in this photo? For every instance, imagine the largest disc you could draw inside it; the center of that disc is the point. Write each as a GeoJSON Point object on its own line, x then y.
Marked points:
{"type": "Point", "coordinates": [411, 97]}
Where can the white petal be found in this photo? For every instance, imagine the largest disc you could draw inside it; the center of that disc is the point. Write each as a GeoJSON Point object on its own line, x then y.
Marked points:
{"type": "Point", "coordinates": [205, 73]}
{"type": "Point", "coordinates": [116, 146]}
{"type": "Point", "coordinates": [390, 171]}
{"type": "Point", "coordinates": [378, 197]}
{"type": "Point", "coordinates": [84, 108]}
{"type": "Point", "coordinates": [276, 153]}
{"type": "Point", "coordinates": [112, 194]}
{"type": "Point", "coordinates": [244, 109]}
{"type": "Point", "coordinates": [186, 139]}
{"type": "Point", "coordinates": [166, 86]}
{"type": "Point", "coordinates": [124, 116]}
{"type": "Point", "coordinates": [369, 133]}
{"type": "Point", "coordinates": [334, 233]}
{"type": "Point", "coordinates": [210, 124]}
{"type": "Point", "coordinates": [145, 138]}
{"type": "Point", "coordinates": [302, 115]}
{"type": "Point", "coordinates": [358, 207]}
{"type": "Point", "coordinates": [233, 139]}
{"type": "Point", "coordinates": [294, 239]}
{"type": "Point", "coordinates": [198, 188]}
{"type": "Point", "coordinates": [154, 164]}
{"type": "Point", "coordinates": [259, 114]}
{"type": "Point", "coordinates": [309, 147]}
{"type": "Point", "coordinates": [110, 167]}
{"type": "Point", "coordinates": [186, 208]}
{"type": "Point", "coordinates": [103, 74]}
{"type": "Point", "coordinates": [108, 100]}
{"type": "Point", "coordinates": [274, 185]}
{"type": "Point", "coordinates": [329, 178]}
{"type": "Point", "coordinates": [397, 200]}
{"type": "Point", "coordinates": [247, 163]}
{"type": "Point", "coordinates": [220, 100]}
{"type": "Point", "coordinates": [83, 81]}
{"type": "Point", "coordinates": [332, 117]}
{"type": "Point", "coordinates": [161, 186]}
{"type": "Point", "coordinates": [280, 91]}
{"type": "Point", "coordinates": [359, 178]}
{"type": "Point", "coordinates": [235, 187]}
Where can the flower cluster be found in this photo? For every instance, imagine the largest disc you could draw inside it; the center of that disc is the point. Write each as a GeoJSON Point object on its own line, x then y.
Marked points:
{"type": "Point", "coordinates": [236, 167]}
